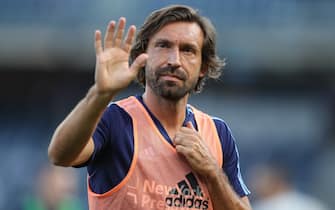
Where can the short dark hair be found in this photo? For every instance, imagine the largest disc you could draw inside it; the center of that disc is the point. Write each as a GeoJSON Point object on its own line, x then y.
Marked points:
{"type": "Point", "coordinates": [180, 13]}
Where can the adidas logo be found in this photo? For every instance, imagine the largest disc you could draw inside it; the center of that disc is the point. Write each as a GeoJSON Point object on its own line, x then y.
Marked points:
{"type": "Point", "coordinates": [188, 194]}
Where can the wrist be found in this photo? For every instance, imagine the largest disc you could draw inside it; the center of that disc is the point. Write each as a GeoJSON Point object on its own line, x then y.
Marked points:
{"type": "Point", "coordinates": [214, 175]}
{"type": "Point", "coordinates": [97, 98]}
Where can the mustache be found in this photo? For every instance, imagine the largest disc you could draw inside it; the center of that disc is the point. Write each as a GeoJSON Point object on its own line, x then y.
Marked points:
{"type": "Point", "coordinates": [171, 71]}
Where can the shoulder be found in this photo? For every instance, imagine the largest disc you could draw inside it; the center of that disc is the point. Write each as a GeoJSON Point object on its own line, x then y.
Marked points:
{"type": "Point", "coordinates": [221, 125]}
{"type": "Point", "coordinates": [226, 136]}
{"type": "Point", "coordinates": [222, 128]}
{"type": "Point", "coordinates": [115, 112]}
{"type": "Point", "coordinates": [113, 120]}
{"type": "Point", "coordinates": [115, 108]}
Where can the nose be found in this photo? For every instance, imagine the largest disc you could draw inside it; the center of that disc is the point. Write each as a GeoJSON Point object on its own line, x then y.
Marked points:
{"type": "Point", "coordinates": [174, 57]}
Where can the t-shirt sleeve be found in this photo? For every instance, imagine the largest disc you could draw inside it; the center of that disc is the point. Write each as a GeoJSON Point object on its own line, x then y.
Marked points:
{"type": "Point", "coordinates": [102, 134]}
{"type": "Point", "coordinates": [113, 150]}
{"type": "Point", "coordinates": [231, 163]}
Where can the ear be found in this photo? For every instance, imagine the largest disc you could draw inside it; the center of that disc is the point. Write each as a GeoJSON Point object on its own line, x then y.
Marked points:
{"type": "Point", "coordinates": [203, 71]}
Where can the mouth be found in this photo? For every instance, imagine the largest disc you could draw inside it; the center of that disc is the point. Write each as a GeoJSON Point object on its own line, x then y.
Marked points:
{"type": "Point", "coordinates": [170, 73]}
{"type": "Point", "coordinates": [172, 77]}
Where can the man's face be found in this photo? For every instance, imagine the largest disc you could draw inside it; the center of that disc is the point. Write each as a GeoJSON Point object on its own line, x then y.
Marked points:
{"type": "Point", "coordinates": [174, 63]}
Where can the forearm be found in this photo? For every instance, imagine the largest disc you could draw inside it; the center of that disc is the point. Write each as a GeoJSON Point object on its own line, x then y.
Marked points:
{"type": "Point", "coordinates": [222, 194]}
{"type": "Point", "coordinates": [72, 135]}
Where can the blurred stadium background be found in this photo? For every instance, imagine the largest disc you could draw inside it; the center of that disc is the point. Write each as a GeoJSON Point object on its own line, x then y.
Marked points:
{"type": "Point", "coordinates": [277, 93]}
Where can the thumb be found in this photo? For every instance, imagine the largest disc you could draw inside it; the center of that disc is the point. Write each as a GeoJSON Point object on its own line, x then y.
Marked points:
{"type": "Point", "coordinates": [190, 125]}
{"type": "Point", "coordinates": [139, 63]}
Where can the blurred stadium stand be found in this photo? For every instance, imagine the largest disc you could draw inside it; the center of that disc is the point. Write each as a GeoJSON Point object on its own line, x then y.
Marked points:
{"type": "Point", "coordinates": [277, 93]}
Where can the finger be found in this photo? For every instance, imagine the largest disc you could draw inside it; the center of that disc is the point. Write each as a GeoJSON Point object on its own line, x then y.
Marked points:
{"type": "Point", "coordinates": [97, 43]}
{"type": "Point", "coordinates": [187, 153]}
{"type": "Point", "coordinates": [183, 139]}
{"type": "Point", "coordinates": [139, 63]}
{"type": "Point", "coordinates": [189, 124]}
{"type": "Point", "coordinates": [109, 34]}
{"type": "Point", "coordinates": [182, 150]}
{"type": "Point", "coordinates": [129, 38]}
{"type": "Point", "coordinates": [119, 32]}
{"type": "Point", "coordinates": [188, 128]}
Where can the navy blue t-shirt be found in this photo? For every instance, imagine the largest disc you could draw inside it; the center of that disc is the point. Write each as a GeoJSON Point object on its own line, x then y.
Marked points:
{"type": "Point", "coordinates": [114, 146]}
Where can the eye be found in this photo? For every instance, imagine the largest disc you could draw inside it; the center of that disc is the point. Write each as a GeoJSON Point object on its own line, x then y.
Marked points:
{"type": "Point", "coordinates": [162, 44]}
{"type": "Point", "coordinates": [189, 50]}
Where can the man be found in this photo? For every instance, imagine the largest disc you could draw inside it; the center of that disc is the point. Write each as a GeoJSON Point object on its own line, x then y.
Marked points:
{"type": "Point", "coordinates": [275, 190]}
{"type": "Point", "coordinates": [153, 151]}
{"type": "Point", "coordinates": [56, 188]}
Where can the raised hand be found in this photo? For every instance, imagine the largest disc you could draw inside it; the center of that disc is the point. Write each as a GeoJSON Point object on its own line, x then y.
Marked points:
{"type": "Point", "coordinates": [112, 71]}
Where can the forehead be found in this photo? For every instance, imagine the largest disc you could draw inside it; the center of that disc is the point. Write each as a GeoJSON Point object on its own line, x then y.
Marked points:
{"type": "Point", "coordinates": [180, 32]}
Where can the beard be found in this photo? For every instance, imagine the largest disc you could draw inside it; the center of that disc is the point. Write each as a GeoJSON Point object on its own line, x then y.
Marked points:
{"type": "Point", "coordinates": [170, 89]}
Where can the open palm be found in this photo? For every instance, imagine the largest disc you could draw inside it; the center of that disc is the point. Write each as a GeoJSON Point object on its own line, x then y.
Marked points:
{"type": "Point", "coordinates": [112, 71]}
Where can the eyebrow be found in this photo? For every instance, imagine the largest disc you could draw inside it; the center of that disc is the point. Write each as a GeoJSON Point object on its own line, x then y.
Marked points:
{"type": "Point", "coordinates": [162, 41]}
{"type": "Point", "coordinates": [183, 44]}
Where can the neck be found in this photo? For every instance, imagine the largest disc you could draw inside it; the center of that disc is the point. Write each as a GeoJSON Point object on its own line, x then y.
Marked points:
{"type": "Point", "coordinates": [170, 113]}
